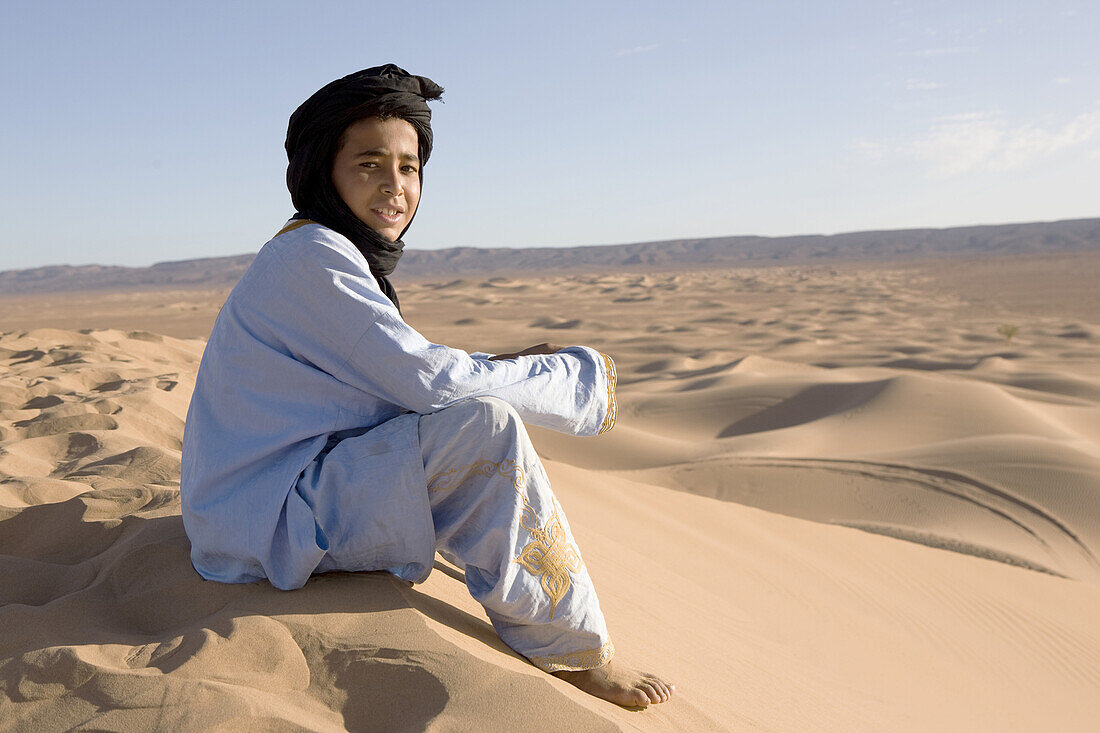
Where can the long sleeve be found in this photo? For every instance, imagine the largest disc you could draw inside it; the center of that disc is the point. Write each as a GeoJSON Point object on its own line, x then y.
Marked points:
{"type": "Point", "coordinates": [323, 306]}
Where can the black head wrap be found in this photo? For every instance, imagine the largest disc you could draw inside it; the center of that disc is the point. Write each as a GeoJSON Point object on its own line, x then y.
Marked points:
{"type": "Point", "coordinates": [311, 139]}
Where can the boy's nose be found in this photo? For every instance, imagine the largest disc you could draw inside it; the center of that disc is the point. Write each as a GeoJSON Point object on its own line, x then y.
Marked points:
{"type": "Point", "coordinates": [391, 185]}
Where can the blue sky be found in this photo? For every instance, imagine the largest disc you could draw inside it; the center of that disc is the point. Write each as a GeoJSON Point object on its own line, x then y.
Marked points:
{"type": "Point", "coordinates": [138, 132]}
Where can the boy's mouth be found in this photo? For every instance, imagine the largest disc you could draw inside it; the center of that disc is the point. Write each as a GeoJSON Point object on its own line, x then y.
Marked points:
{"type": "Point", "coordinates": [391, 216]}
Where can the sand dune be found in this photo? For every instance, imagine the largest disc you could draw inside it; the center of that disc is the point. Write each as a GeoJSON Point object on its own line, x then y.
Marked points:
{"type": "Point", "coordinates": [838, 498]}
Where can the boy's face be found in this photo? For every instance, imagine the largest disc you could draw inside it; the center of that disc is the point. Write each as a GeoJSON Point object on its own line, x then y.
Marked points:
{"type": "Point", "coordinates": [375, 171]}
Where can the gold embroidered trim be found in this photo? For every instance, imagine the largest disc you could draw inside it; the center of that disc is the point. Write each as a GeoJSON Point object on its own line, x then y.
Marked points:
{"type": "Point", "coordinates": [576, 661]}
{"type": "Point", "coordinates": [550, 555]}
{"type": "Point", "coordinates": [508, 469]}
{"type": "Point", "coordinates": [609, 418]}
{"type": "Point", "coordinates": [296, 224]}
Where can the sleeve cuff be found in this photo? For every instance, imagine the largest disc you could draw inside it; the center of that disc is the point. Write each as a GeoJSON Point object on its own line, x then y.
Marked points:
{"type": "Point", "coordinates": [609, 417]}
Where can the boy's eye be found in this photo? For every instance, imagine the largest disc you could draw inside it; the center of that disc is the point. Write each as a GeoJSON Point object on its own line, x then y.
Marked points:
{"type": "Point", "coordinates": [409, 168]}
{"type": "Point", "coordinates": [368, 164]}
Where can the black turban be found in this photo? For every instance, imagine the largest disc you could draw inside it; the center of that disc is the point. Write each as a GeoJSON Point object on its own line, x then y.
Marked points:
{"type": "Point", "coordinates": [314, 131]}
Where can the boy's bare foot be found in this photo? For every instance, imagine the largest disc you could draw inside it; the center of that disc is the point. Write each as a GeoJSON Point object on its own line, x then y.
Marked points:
{"type": "Point", "coordinates": [620, 685]}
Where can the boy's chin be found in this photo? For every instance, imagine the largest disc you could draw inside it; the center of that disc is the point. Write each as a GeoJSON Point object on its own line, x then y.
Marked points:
{"type": "Point", "coordinates": [387, 234]}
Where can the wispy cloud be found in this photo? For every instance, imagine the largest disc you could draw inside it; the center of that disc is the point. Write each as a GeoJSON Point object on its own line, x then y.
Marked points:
{"type": "Point", "coordinates": [1061, 80]}
{"type": "Point", "coordinates": [984, 141]}
{"type": "Point", "coordinates": [638, 49]}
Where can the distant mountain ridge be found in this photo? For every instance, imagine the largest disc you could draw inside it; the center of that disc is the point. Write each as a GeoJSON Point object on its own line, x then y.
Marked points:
{"type": "Point", "coordinates": [1075, 235]}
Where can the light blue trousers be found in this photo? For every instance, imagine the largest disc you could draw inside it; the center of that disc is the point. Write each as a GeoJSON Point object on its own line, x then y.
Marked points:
{"type": "Point", "coordinates": [484, 502]}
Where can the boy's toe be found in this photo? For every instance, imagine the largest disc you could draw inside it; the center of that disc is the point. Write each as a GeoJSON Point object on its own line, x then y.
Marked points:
{"type": "Point", "coordinates": [641, 698]}
{"type": "Point", "coordinates": [651, 692]}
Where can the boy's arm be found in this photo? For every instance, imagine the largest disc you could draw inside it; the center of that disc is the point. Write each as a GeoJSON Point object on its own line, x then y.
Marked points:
{"type": "Point", "coordinates": [571, 390]}
{"type": "Point", "coordinates": [329, 312]}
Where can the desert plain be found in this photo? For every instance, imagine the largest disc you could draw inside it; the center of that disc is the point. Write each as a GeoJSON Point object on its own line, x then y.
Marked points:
{"type": "Point", "coordinates": [850, 496]}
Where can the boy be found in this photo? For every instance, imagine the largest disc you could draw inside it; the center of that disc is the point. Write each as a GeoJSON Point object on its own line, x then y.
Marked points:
{"type": "Point", "coordinates": [326, 434]}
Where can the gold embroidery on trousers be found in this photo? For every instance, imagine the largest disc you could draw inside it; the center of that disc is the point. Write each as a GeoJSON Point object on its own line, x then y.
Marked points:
{"type": "Point", "coordinates": [576, 661]}
{"type": "Point", "coordinates": [550, 555]}
{"type": "Point", "coordinates": [450, 479]}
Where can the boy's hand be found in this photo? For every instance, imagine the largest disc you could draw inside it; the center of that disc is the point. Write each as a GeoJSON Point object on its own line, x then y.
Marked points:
{"type": "Point", "coordinates": [537, 349]}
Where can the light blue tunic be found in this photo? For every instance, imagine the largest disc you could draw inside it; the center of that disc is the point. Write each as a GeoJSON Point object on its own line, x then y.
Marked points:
{"type": "Point", "coordinates": [307, 345]}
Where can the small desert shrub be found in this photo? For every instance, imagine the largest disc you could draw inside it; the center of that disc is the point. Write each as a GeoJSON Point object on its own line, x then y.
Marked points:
{"type": "Point", "coordinates": [1008, 330]}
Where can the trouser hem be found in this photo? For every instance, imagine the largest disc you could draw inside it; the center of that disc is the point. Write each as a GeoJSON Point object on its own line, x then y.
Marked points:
{"type": "Point", "coordinates": [576, 661]}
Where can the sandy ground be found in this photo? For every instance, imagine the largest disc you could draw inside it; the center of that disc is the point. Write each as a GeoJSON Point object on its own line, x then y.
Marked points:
{"type": "Point", "coordinates": [837, 498]}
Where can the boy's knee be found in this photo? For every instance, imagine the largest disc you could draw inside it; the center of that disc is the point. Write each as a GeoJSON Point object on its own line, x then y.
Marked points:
{"type": "Point", "coordinates": [495, 414]}
{"type": "Point", "coordinates": [489, 415]}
